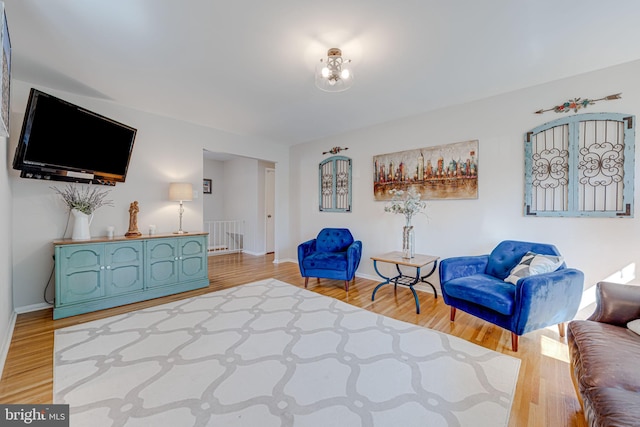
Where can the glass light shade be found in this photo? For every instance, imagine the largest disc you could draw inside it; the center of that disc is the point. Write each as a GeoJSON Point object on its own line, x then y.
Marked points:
{"type": "Point", "coordinates": [180, 192]}
{"type": "Point", "coordinates": [333, 74]}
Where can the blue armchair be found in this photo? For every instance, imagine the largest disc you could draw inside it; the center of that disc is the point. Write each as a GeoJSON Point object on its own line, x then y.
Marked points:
{"type": "Point", "coordinates": [334, 254]}
{"type": "Point", "coordinates": [476, 285]}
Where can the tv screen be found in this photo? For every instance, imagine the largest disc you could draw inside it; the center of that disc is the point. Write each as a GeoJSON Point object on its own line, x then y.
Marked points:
{"type": "Point", "coordinates": [62, 141]}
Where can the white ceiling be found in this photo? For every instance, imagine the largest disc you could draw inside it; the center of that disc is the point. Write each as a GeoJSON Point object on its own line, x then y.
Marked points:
{"type": "Point", "coordinates": [246, 66]}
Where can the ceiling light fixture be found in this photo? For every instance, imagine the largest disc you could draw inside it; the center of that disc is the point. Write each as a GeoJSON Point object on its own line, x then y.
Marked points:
{"type": "Point", "coordinates": [333, 74]}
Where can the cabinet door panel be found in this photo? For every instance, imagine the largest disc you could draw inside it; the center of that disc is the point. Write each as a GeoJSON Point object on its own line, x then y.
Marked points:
{"type": "Point", "coordinates": [131, 253]}
{"type": "Point", "coordinates": [80, 275]}
{"type": "Point", "coordinates": [124, 269]}
{"type": "Point", "coordinates": [196, 246]}
{"type": "Point", "coordinates": [193, 268]}
{"type": "Point", "coordinates": [162, 273]}
{"type": "Point", "coordinates": [162, 262]}
{"type": "Point", "coordinates": [162, 249]}
{"type": "Point", "coordinates": [193, 257]}
{"type": "Point", "coordinates": [125, 279]}
{"type": "Point", "coordinates": [82, 258]}
{"type": "Point", "coordinates": [82, 286]}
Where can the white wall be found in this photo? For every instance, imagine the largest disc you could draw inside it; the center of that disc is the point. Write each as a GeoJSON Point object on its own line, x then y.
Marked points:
{"type": "Point", "coordinates": [168, 150]}
{"type": "Point", "coordinates": [7, 315]}
{"type": "Point", "coordinates": [213, 204]}
{"type": "Point", "coordinates": [165, 150]}
{"type": "Point", "coordinates": [599, 247]}
{"type": "Point", "coordinates": [241, 195]}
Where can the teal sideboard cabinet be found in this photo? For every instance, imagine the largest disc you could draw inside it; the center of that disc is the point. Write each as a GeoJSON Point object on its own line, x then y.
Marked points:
{"type": "Point", "coordinates": [102, 273]}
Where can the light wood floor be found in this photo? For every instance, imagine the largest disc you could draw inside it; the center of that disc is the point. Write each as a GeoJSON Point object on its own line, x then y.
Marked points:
{"type": "Point", "coordinates": [544, 395]}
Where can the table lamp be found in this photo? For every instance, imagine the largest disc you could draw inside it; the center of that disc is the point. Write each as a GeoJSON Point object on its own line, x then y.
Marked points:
{"type": "Point", "coordinates": [180, 192]}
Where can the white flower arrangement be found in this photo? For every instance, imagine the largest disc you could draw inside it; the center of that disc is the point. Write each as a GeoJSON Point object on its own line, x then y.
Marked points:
{"type": "Point", "coordinates": [407, 203]}
{"type": "Point", "coordinates": [85, 201]}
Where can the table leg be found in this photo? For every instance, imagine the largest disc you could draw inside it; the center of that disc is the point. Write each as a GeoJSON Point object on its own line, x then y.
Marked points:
{"type": "Point", "coordinates": [411, 284]}
{"type": "Point", "coordinates": [386, 279]}
{"type": "Point", "coordinates": [423, 278]}
{"type": "Point", "coordinates": [415, 295]}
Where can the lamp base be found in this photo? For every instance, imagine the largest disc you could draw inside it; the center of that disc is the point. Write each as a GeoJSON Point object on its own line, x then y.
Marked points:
{"type": "Point", "coordinates": [181, 232]}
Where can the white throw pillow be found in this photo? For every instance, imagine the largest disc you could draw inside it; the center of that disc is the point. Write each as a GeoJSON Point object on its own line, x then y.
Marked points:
{"type": "Point", "coordinates": [532, 263]}
{"type": "Point", "coordinates": [634, 325]}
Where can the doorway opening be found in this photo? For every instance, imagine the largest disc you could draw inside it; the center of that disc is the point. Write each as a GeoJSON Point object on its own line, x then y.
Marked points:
{"type": "Point", "coordinates": [239, 211]}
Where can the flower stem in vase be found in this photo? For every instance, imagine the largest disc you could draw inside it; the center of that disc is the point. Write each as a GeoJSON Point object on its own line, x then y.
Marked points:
{"type": "Point", "coordinates": [408, 242]}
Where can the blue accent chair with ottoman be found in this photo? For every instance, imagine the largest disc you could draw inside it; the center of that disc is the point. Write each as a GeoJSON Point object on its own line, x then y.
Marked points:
{"type": "Point", "coordinates": [334, 254]}
{"type": "Point", "coordinates": [519, 286]}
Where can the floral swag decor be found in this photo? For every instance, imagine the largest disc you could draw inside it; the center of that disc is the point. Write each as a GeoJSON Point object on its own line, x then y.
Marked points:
{"type": "Point", "coordinates": [577, 104]}
{"type": "Point", "coordinates": [409, 204]}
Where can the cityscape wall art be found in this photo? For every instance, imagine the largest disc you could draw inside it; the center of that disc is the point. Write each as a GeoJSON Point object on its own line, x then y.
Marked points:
{"type": "Point", "coordinates": [447, 171]}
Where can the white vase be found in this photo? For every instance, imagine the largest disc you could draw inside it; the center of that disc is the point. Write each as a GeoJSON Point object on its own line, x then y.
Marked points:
{"type": "Point", "coordinates": [408, 242]}
{"type": "Point", "coordinates": [81, 222]}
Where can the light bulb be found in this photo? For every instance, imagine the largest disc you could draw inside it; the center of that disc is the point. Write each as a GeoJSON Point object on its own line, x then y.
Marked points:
{"type": "Point", "coordinates": [325, 72]}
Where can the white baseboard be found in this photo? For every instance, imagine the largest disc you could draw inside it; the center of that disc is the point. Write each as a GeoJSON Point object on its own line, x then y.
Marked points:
{"type": "Point", "coordinates": [368, 276]}
{"type": "Point", "coordinates": [7, 341]}
{"type": "Point", "coordinates": [32, 307]}
{"type": "Point", "coordinates": [253, 253]}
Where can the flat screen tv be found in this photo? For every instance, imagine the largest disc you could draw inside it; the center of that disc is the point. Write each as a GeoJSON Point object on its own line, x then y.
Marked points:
{"type": "Point", "coordinates": [65, 142]}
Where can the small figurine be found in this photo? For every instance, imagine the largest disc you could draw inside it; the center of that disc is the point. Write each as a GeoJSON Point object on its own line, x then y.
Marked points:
{"type": "Point", "coordinates": [133, 221]}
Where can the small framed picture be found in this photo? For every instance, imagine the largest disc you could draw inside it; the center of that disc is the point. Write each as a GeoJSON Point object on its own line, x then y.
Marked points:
{"type": "Point", "coordinates": [206, 186]}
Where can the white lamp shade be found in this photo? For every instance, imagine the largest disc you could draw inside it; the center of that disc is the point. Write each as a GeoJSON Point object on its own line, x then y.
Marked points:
{"type": "Point", "coordinates": [180, 192]}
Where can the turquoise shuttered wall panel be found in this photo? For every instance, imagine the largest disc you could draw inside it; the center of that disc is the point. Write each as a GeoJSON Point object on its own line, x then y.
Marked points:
{"type": "Point", "coordinates": [335, 184]}
{"type": "Point", "coordinates": [581, 166]}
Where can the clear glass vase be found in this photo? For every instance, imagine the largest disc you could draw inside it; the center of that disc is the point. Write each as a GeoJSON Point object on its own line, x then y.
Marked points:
{"type": "Point", "coordinates": [408, 242]}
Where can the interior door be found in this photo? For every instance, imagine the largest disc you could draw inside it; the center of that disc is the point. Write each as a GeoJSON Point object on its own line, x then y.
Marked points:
{"type": "Point", "coordinates": [269, 203]}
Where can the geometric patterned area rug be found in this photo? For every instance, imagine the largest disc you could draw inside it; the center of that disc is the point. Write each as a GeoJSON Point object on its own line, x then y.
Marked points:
{"type": "Point", "coordinates": [272, 354]}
